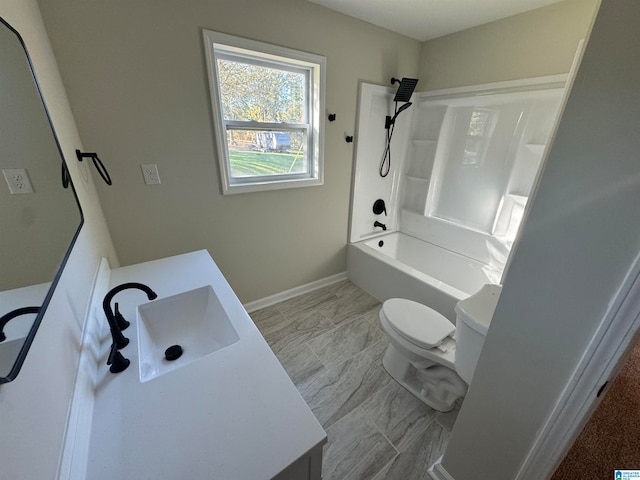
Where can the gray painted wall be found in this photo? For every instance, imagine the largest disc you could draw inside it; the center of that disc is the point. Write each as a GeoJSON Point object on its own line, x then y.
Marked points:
{"type": "Point", "coordinates": [532, 44]}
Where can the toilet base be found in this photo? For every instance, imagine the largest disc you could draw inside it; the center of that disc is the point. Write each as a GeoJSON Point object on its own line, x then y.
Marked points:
{"type": "Point", "coordinates": [436, 386]}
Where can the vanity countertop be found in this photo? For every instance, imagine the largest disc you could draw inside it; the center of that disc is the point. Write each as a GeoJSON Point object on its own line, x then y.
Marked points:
{"type": "Point", "coordinates": [231, 415]}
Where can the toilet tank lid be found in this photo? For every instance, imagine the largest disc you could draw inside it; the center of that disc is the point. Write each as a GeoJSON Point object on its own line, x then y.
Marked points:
{"type": "Point", "coordinates": [477, 310]}
{"type": "Point", "coordinates": [418, 323]}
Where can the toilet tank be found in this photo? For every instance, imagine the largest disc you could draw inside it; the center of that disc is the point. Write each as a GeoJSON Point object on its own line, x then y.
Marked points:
{"type": "Point", "coordinates": [473, 316]}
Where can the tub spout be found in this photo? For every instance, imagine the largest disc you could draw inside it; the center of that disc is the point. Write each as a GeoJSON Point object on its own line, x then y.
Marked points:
{"type": "Point", "coordinates": [381, 225]}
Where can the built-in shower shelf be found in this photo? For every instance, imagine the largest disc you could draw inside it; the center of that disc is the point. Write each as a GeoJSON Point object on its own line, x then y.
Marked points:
{"type": "Point", "coordinates": [413, 209]}
{"type": "Point", "coordinates": [415, 193]}
{"type": "Point", "coordinates": [417, 179]}
{"type": "Point", "coordinates": [537, 148]}
{"type": "Point", "coordinates": [420, 141]}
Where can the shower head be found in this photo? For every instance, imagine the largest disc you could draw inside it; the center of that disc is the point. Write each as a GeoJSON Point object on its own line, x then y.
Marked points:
{"type": "Point", "coordinates": [406, 88]}
{"type": "Point", "coordinates": [403, 108]}
{"type": "Point", "coordinates": [391, 120]}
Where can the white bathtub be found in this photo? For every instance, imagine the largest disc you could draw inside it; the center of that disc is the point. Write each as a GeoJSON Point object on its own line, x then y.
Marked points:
{"type": "Point", "coordinates": [404, 266]}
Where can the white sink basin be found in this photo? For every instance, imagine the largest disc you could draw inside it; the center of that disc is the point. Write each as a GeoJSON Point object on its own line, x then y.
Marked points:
{"type": "Point", "coordinates": [195, 320]}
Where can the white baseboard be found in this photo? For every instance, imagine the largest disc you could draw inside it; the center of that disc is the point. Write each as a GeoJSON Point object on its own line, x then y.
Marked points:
{"type": "Point", "coordinates": [75, 451]}
{"type": "Point", "coordinates": [294, 292]}
{"type": "Point", "coordinates": [437, 471]}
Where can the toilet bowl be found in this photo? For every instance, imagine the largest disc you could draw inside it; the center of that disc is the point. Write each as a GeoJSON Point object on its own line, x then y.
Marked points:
{"type": "Point", "coordinates": [430, 356]}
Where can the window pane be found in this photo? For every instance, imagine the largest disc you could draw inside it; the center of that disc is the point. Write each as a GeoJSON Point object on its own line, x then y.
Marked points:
{"type": "Point", "coordinates": [263, 94]}
{"type": "Point", "coordinates": [262, 152]}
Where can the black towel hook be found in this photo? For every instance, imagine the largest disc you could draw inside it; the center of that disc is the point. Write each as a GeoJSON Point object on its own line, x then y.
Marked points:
{"type": "Point", "coordinates": [102, 170]}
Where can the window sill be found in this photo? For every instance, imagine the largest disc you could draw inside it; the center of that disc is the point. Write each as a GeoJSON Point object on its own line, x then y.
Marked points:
{"type": "Point", "coordinates": [231, 189]}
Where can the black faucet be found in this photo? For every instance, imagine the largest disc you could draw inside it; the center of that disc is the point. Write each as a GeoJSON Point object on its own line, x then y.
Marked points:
{"type": "Point", "coordinates": [7, 317]}
{"type": "Point", "coordinates": [381, 225]}
{"type": "Point", "coordinates": [117, 322]}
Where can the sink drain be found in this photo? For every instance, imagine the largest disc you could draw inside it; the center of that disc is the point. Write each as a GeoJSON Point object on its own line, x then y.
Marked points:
{"type": "Point", "coordinates": [174, 352]}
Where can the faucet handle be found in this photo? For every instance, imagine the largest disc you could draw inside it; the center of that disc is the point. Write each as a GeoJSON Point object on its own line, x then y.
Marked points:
{"type": "Point", "coordinates": [379, 207]}
{"type": "Point", "coordinates": [123, 324]}
{"type": "Point", "coordinates": [119, 340]}
{"type": "Point", "coordinates": [116, 360]}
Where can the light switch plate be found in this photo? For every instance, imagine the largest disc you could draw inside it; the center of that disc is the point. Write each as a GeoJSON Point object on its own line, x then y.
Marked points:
{"type": "Point", "coordinates": [17, 180]}
{"type": "Point", "coordinates": [150, 173]}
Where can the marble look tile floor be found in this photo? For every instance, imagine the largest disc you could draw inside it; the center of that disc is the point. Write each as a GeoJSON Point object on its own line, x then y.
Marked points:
{"type": "Point", "coordinates": [330, 343]}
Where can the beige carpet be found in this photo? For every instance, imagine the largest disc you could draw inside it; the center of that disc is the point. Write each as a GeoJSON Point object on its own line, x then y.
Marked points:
{"type": "Point", "coordinates": [611, 438]}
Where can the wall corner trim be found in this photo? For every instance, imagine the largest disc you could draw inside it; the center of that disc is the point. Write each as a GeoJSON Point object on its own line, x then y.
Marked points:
{"type": "Point", "coordinates": [438, 472]}
{"type": "Point", "coordinates": [75, 448]}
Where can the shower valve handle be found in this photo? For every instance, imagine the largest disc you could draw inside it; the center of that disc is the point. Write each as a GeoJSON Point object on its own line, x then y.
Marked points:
{"type": "Point", "coordinates": [379, 207]}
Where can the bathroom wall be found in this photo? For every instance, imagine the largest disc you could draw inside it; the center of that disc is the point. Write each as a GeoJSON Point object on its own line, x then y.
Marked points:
{"type": "Point", "coordinates": [533, 44]}
{"type": "Point", "coordinates": [580, 240]}
{"type": "Point", "coordinates": [135, 74]}
{"type": "Point", "coordinates": [33, 408]}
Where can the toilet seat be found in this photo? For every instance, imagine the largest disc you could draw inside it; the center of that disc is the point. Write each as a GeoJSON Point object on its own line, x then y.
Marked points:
{"type": "Point", "coordinates": [417, 323]}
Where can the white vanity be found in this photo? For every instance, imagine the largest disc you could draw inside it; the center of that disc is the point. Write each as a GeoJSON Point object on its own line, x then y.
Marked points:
{"type": "Point", "coordinates": [232, 414]}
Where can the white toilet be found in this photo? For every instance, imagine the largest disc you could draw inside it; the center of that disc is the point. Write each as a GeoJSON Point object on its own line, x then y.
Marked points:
{"type": "Point", "coordinates": [425, 356]}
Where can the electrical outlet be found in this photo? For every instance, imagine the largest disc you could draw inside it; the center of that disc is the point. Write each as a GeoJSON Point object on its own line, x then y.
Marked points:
{"type": "Point", "coordinates": [18, 180]}
{"type": "Point", "coordinates": [150, 173]}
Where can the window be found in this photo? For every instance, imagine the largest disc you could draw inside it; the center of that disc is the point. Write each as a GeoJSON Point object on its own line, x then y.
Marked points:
{"type": "Point", "coordinates": [267, 103]}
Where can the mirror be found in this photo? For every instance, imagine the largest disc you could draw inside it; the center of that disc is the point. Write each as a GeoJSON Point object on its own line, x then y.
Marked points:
{"type": "Point", "coordinates": [40, 218]}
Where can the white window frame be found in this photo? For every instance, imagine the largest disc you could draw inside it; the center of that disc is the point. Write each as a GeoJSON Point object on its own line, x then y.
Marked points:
{"type": "Point", "coordinates": [226, 46]}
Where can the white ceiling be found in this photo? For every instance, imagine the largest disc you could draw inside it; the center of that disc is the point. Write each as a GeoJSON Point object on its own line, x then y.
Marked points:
{"type": "Point", "coordinates": [427, 19]}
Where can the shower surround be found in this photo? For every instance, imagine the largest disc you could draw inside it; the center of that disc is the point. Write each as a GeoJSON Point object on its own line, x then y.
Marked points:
{"type": "Point", "coordinates": [464, 162]}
